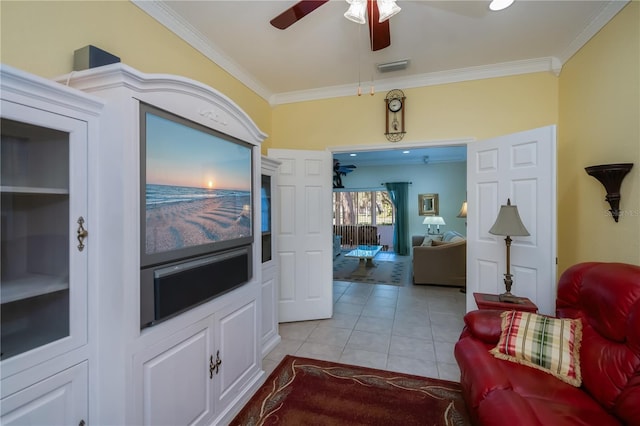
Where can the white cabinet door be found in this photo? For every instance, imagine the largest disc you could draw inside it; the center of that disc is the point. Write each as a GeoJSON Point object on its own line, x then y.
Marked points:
{"type": "Point", "coordinates": [44, 271]}
{"type": "Point", "coordinates": [173, 378]}
{"type": "Point", "coordinates": [237, 350]}
{"type": "Point", "coordinates": [201, 371]}
{"type": "Point", "coordinates": [59, 400]}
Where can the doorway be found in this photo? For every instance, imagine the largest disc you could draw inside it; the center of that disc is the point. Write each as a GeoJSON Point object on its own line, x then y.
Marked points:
{"type": "Point", "coordinates": [429, 167]}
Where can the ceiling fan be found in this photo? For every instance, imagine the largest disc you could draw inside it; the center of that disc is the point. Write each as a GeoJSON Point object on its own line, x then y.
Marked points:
{"type": "Point", "coordinates": [378, 31]}
{"type": "Point", "coordinates": [339, 171]}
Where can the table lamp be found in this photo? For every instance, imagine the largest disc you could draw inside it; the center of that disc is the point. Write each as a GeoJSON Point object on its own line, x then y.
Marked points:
{"type": "Point", "coordinates": [508, 224]}
{"type": "Point", "coordinates": [433, 220]}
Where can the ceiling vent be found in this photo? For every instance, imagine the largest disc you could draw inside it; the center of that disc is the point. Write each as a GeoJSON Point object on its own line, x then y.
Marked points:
{"type": "Point", "coordinates": [393, 66]}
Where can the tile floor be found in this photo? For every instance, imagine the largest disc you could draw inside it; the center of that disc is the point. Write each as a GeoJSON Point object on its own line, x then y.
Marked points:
{"type": "Point", "coordinates": [409, 329]}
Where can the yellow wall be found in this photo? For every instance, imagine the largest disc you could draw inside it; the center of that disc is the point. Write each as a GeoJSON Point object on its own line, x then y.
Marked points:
{"type": "Point", "coordinates": [477, 109]}
{"type": "Point", "coordinates": [595, 103]}
{"type": "Point", "coordinates": [600, 124]}
{"type": "Point", "coordinates": [41, 36]}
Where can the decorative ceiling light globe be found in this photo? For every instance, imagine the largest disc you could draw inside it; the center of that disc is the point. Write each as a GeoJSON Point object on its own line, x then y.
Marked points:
{"type": "Point", "coordinates": [356, 12]}
{"type": "Point", "coordinates": [387, 9]}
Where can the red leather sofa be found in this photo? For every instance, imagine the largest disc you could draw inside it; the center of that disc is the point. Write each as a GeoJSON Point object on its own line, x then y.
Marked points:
{"type": "Point", "coordinates": [606, 297]}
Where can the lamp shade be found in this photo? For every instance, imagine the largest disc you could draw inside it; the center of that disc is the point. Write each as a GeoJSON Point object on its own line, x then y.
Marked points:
{"type": "Point", "coordinates": [508, 222]}
{"type": "Point", "coordinates": [434, 220]}
{"type": "Point", "coordinates": [356, 12]}
{"type": "Point", "coordinates": [463, 210]}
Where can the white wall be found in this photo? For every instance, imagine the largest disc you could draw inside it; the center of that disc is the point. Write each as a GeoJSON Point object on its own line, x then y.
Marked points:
{"type": "Point", "coordinates": [448, 180]}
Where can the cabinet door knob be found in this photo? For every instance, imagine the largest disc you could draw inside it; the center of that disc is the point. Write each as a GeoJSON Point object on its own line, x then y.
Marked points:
{"type": "Point", "coordinates": [82, 423]}
{"type": "Point", "coordinates": [218, 361]}
{"type": "Point", "coordinates": [214, 365]}
{"type": "Point", "coordinates": [82, 233]}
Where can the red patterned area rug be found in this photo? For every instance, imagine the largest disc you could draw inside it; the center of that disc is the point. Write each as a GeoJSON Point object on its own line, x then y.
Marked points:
{"type": "Point", "coordinates": [303, 391]}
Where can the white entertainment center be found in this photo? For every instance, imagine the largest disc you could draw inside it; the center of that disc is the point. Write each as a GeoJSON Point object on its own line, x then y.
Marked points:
{"type": "Point", "coordinates": [198, 367]}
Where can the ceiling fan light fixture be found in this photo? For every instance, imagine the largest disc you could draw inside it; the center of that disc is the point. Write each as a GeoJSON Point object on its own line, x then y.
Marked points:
{"type": "Point", "coordinates": [357, 11]}
{"type": "Point", "coordinates": [387, 9]}
{"type": "Point", "coordinates": [497, 5]}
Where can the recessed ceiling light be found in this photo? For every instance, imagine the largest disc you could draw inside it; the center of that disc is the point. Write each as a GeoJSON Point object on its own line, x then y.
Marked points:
{"type": "Point", "coordinates": [352, 155]}
{"type": "Point", "coordinates": [406, 152]}
{"type": "Point", "coordinates": [497, 5]}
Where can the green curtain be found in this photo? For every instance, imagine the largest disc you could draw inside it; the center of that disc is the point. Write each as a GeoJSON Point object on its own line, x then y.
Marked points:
{"type": "Point", "coordinates": [399, 193]}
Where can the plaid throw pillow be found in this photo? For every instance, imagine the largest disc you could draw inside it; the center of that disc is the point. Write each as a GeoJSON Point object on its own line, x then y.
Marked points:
{"type": "Point", "coordinates": [548, 344]}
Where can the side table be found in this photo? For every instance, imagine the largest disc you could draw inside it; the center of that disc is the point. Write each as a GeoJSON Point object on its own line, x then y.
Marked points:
{"type": "Point", "coordinates": [491, 301]}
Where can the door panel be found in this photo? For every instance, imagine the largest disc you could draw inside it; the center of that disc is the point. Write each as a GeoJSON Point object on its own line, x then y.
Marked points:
{"type": "Point", "coordinates": [56, 401]}
{"type": "Point", "coordinates": [287, 278]}
{"type": "Point", "coordinates": [173, 381]}
{"type": "Point", "coordinates": [238, 352]}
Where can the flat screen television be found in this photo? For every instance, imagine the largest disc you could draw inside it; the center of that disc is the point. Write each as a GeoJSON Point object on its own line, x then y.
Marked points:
{"type": "Point", "coordinates": [196, 189]}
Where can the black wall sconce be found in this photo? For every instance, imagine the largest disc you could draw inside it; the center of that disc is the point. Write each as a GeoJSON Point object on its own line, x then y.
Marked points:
{"type": "Point", "coordinates": [611, 175]}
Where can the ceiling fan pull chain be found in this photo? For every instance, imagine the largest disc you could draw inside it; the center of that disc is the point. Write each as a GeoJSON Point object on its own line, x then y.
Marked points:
{"type": "Point", "coordinates": [359, 59]}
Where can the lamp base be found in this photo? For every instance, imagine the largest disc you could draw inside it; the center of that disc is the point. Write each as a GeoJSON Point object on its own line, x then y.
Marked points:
{"type": "Point", "coordinates": [510, 298]}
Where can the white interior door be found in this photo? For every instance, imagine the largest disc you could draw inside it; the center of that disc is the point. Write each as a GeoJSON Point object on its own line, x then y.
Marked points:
{"type": "Point", "coordinates": [522, 167]}
{"type": "Point", "coordinates": [304, 234]}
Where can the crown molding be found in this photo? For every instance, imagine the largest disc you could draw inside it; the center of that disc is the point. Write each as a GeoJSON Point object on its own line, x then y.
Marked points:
{"type": "Point", "coordinates": [608, 11]}
{"type": "Point", "coordinates": [526, 66]}
{"type": "Point", "coordinates": [175, 23]}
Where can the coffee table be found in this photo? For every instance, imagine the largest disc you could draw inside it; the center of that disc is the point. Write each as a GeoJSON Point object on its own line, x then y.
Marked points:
{"type": "Point", "coordinates": [366, 254]}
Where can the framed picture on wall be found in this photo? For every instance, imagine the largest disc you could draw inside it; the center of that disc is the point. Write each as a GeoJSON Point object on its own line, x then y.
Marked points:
{"type": "Point", "coordinates": [428, 204]}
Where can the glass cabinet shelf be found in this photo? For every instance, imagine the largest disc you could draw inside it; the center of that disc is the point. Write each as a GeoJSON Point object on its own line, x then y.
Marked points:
{"type": "Point", "coordinates": [33, 190]}
{"type": "Point", "coordinates": [31, 285]}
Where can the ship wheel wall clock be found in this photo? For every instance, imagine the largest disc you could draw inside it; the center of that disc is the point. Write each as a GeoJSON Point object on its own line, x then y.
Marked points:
{"type": "Point", "coordinates": [395, 105]}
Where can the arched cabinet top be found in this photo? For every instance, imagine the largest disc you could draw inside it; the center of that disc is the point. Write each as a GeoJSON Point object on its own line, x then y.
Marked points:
{"type": "Point", "coordinates": [270, 163]}
{"type": "Point", "coordinates": [20, 86]}
{"type": "Point", "coordinates": [179, 95]}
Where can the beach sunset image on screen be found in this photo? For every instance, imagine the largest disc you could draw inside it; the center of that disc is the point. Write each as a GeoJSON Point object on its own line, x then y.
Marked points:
{"type": "Point", "coordinates": [198, 187]}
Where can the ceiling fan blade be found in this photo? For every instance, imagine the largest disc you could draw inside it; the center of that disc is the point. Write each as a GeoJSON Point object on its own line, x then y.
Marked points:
{"type": "Point", "coordinates": [344, 170]}
{"type": "Point", "coordinates": [378, 32]}
{"type": "Point", "coordinates": [296, 12]}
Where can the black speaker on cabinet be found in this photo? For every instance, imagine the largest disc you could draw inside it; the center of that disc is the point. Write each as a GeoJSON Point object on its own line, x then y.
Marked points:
{"type": "Point", "coordinates": [91, 57]}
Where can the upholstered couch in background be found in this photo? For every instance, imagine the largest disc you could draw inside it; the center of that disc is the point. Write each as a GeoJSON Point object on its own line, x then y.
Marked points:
{"type": "Point", "coordinates": [606, 299]}
{"type": "Point", "coordinates": [441, 261]}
